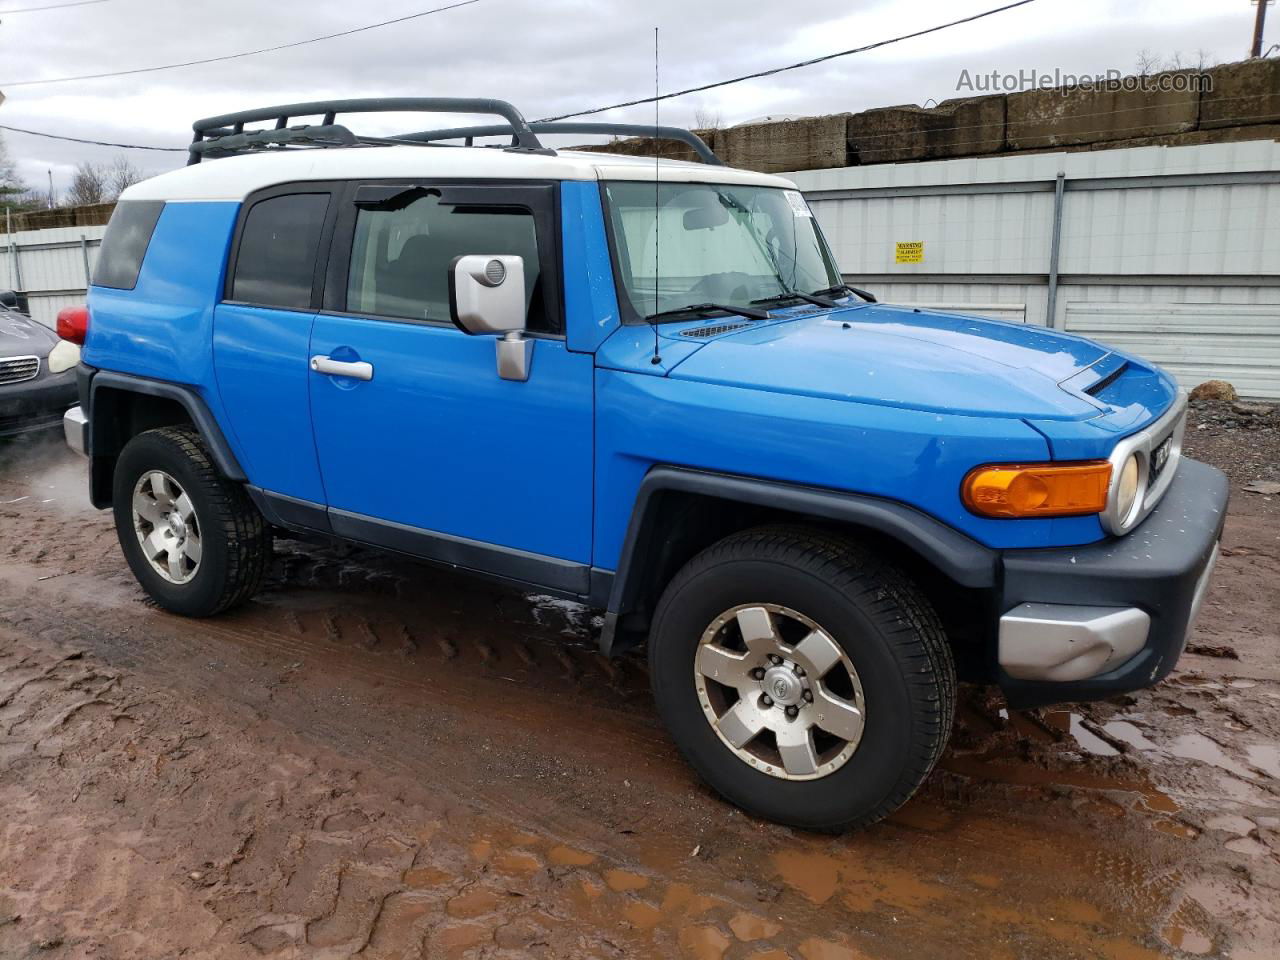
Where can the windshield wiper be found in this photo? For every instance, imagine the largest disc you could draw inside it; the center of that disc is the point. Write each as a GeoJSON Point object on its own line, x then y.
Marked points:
{"type": "Point", "coordinates": [712, 308]}
{"type": "Point", "coordinates": [814, 298]}
{"type": "Point", "coordinates": [845, 288]}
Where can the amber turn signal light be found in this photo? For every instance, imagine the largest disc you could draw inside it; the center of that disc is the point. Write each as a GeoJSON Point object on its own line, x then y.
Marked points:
{"type": "Point", "coordinates": [1038, 489]}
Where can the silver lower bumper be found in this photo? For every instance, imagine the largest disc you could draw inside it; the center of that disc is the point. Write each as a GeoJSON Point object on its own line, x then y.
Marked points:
{"type": "Point", "coordinates": [1065, 642]}
{"type": "Point", "coordinates": [1061, 642]}
{"type": "Point", "coordinates": [75, 427]}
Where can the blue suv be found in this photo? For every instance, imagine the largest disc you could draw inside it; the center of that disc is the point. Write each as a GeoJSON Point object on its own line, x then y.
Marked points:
{"type": "Point", "coordinates": [641, 384]}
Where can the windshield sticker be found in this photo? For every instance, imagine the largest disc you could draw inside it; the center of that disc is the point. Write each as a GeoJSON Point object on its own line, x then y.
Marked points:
{"type": "Point", "coordinates": [798, 206]}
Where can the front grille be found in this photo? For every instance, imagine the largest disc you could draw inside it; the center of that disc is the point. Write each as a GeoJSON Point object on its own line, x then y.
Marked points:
{"type": "Point", "coordinates": [713, 331]}
{"type": "Point", "coordinates": [18, 369]}
{"type": "Point", "coordinates": [1161, 454]}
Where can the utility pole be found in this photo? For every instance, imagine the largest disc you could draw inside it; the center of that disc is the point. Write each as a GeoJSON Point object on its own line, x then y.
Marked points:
{"type": "Point", "coordinates": [51, 204]}
{"type": "Point", "coordinates": [1258, 24]}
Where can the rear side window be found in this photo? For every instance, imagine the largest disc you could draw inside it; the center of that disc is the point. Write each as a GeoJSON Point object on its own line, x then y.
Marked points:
{"type": "Point", "coordinates": [276, 263]}
{"type": "Point", "coordinates": [125, 244]}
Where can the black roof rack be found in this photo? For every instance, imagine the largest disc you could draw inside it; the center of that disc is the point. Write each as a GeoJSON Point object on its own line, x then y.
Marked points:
{"type": "Point", "coordinates": [687, 137]}
{"type": "Point", "coordinates": [225, 135]}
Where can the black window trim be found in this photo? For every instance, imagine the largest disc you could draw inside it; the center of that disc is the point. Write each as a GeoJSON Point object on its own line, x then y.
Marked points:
{"type": "Point", "coordinates": [330, 188]}
{"type": "Point", "coordinates": [540, 197]}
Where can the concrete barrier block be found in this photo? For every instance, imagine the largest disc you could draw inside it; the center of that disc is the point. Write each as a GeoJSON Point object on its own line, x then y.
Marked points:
{"type": "Point", "coordinates": [1117, 110]}
{"type": "Point", "coordinates": [666, 149]}
{"type": "Point", "coordinates": [1243, 94]}
{"type": "Point", "coordinates": [810, 143]}
{"type": "Point", "coordinates": [956, 128]}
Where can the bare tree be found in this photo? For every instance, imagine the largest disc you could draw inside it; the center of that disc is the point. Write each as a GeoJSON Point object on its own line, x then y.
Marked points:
{"type": "Point", "coordinates": [707, 119]}
{"type": "Point", "coordinates": [1148, 63]}
{"type": "Point", "coordinates": [88, 185]}
{"type": "Point", "coordinates": [14, 191]}
{"type": "Point", "coordinates": [121, 175]}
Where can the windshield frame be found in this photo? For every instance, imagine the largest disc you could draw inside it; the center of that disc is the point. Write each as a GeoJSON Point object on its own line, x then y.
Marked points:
{"type": "Point", "coordinates": [627, 311]}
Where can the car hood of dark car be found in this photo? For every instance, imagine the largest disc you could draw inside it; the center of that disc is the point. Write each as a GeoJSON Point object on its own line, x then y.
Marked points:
{"type": "Point", "coordinates": [21, 336]}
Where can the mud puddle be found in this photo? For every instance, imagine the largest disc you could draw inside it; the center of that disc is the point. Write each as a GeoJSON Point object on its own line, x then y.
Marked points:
{"type": "Point", "coordinates": [382, 760]}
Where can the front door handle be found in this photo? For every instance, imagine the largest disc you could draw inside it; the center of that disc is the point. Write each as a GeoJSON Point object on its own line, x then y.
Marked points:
{"type": "Point", "coordinates": [359, 370]}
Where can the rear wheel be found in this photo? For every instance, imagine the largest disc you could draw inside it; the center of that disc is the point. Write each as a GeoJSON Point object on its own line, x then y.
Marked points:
{"type": "Point", "coordinates": [805, 680]}
{"type": "Point", "coordinates": [194, 540]}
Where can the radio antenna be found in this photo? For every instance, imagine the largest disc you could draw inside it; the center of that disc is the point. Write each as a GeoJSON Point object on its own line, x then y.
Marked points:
{"type": "Point", "coordinates": [657, 358]}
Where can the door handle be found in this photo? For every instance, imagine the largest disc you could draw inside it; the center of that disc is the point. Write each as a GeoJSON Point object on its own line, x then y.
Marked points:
{"type": "Point", "coordinates": [358, 370]}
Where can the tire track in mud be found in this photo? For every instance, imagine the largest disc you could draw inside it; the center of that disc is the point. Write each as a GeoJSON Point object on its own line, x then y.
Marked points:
{"type": "Point", "coordinates": [633, 881]}
{"type": "Point", "coordinates": [319, 855]}
{"type": "Point", "coordinates": [364, 702]}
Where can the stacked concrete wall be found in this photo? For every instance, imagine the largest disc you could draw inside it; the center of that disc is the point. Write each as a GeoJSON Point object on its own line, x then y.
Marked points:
{"type": "Point", "coordinates": [88, 215]}
{"type": "Point", "coordinates": [1232, 102]}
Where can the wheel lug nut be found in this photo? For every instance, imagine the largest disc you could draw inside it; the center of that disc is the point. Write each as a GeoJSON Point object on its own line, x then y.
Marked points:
{"type": "Point", "coordinates": [757, 673]}
{"type": "Point", "coordinates": [767, 700]}
{"type": "Point", "coordinates": [799, 670]}
{"type": "Point", "coordinates": [775, 659]}
{"type": "Point", "coordinates": [808, 696]}
{"type": "Point", "coordinates": [792, 711]}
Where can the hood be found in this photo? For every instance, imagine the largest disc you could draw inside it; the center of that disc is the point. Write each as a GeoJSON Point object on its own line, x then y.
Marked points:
{"type": "Point", "coordinates": [21, 336]}
{"type": "Point", "coordinates": [903, 357]}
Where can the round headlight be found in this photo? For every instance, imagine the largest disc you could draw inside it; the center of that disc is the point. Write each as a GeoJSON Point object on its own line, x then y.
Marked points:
{"type": "Point", "coordinates": [1127, 489]}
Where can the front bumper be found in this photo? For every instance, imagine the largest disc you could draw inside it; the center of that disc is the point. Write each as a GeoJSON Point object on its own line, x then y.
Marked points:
{"type": "Point", "coordinates": [36, 404]}
{"type": "Point", "coordinates": [1086, 623]}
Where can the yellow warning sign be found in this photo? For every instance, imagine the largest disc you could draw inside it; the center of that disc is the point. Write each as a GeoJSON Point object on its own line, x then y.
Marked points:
{"type": "Point", "coordinates": [909, 251]}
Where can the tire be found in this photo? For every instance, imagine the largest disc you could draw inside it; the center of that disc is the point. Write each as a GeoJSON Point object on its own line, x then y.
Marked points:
{"type": "Point", "coordinates": [902, 676]}
{"type": "Point", "coordinates": [233, 543]}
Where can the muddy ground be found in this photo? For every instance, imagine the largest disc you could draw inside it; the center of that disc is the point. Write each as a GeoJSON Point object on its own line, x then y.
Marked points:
{"type": "Point", "coordinates": [382, 760]}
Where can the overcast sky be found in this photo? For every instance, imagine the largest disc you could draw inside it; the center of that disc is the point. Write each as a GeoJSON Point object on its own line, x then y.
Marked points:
{"type": "Point", "coordinates": [548, 57]}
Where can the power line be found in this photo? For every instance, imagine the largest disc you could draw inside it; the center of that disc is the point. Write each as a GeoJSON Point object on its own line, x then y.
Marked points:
{"type": "Point", "coordinates": [791, 66]}
{"type": "Point", "coordinates": [52, 6]}
{"type": "Point", "coordinates": [96, 143]}
{"type": "Point", "coordinates": [246, 53]}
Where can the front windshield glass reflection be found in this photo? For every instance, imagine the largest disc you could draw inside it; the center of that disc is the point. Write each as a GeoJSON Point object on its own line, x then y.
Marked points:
{"type": "Point", "coordinates": [680, 244]}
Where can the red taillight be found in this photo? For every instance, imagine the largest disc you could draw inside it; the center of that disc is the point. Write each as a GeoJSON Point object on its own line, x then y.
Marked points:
{"type": "Point", "coordinates": [73, 323]}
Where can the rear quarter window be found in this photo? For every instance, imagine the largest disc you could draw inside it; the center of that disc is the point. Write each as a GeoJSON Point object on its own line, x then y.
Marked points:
{"type": "Point", "coordinates": [276, 263]}
{"type": "Point", "coordinates": [125, 244]}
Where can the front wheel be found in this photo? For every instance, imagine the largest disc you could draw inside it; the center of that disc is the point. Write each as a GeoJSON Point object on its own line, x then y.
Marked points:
{"type": "Point", "coordinates": [805, 680]}
{"type": "Point", "coordinates": [193, 539]}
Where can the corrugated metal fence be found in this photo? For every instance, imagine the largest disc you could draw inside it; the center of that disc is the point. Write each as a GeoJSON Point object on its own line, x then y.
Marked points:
{"type": "Point", "coordinates": [1170, 252]}
{"type": "Point", "coordinates": [51, 267]}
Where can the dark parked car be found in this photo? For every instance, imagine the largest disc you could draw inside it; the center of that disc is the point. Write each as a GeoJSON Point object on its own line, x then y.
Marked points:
{"type": "Point", "coordinates": [34, 392]}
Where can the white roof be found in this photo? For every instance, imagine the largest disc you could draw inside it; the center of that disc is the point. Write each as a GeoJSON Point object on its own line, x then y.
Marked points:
{"type": "Point", "coordinates": [234, 178]}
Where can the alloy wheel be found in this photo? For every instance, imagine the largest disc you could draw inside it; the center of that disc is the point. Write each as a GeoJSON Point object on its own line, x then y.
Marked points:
{"type": "Point", "coordinates": [167, 527]}
{"type": "Point", "coordinates": [779, 691]}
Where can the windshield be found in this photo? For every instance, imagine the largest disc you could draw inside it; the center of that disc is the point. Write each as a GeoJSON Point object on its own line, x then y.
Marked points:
{"type": "Point", "coordinates": [713, 243]}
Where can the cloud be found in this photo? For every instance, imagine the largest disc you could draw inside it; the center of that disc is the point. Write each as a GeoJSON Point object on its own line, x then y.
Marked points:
{"type": "Point", "coordinates": [547, 57]}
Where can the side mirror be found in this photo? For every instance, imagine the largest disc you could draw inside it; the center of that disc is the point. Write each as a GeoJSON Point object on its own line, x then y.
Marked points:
{"type": "Point", "coordinates": [8, 298]}
{"type": "Point", "coordinates": [486, 295]}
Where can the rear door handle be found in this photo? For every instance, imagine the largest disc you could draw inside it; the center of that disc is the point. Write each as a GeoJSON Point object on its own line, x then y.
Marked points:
{"type": "Point", "coordinates": [358, 370]}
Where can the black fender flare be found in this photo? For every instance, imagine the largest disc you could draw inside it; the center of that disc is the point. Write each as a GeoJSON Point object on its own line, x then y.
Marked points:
{"type": "Point", "coordinates": [957, 556]}
{"type": "Point", "coordinates": [102, 445]}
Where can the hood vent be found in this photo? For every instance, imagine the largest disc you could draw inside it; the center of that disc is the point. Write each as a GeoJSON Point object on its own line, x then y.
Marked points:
{"type": "Point", "coordinates": [713, 331]}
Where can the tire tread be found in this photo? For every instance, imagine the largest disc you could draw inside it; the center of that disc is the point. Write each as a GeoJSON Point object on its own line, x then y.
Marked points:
{"type": "Point", "coordinates": [247, 536]}
{"type": "Point", "coordinates": [917, 639]}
